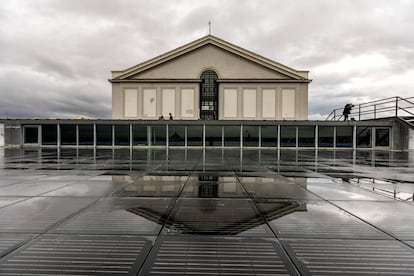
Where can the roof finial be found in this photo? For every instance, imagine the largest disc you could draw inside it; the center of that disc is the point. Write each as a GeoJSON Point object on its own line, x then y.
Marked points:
{"type": "Point", "coordinates": [209, 27]}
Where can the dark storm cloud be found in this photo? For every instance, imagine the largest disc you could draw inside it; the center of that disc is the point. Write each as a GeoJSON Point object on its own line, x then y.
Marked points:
{"type": "Point", "coordinates": [56, 56]}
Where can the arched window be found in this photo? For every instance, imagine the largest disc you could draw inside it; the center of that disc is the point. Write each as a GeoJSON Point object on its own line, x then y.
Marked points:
{"type": "Point", "coordinates": [209, 96]}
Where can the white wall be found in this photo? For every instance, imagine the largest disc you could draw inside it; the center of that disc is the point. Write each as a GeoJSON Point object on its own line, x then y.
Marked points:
{"type": "Point", "coordinates": [149, 101]}
{"type": "Point", "coordinates": [237, 101]}
{"type": "Point", "coordinates": [263, 101]}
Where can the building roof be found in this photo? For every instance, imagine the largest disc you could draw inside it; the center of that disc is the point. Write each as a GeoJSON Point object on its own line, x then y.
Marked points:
{"type": "Point", "coordinates": [210, 40]}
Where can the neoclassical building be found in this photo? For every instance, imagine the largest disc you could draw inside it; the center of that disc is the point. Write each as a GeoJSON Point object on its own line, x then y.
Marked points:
{"type": "Point", "coordinates": [210, 79]}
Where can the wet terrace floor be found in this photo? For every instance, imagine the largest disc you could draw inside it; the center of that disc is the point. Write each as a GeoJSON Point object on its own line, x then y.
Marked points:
{"type": "Point", "coordinates": [206, 212]}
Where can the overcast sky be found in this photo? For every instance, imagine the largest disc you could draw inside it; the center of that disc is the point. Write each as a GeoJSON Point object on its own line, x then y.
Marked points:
{"type": "Point", "coordinates": [56, 56]}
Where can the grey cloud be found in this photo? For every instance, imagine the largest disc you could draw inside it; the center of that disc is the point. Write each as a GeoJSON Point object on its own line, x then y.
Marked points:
{"type": "Point", "coordinates": [63, 51]}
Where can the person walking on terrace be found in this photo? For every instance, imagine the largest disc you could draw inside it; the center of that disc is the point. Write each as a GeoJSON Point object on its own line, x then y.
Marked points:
{"type": "Point", "coordinates": [347, 110]}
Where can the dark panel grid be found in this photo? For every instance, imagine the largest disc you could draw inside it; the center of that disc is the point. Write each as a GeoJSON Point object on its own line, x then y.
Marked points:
{"type": "Point", "coordinates": [320, 220]}
{"type": "Point", "coordinates": [141, 216]}
{"type": "Point", "coordinates": [9, 242]}
{"type": "Point", "coordinates": [347, 257]}
{"type": "Point", "coordinates": [217, 256]}
{"type": "Point", "coordinates": [217, 217]}
{"type": "Point", "coordinates": [78, 255]}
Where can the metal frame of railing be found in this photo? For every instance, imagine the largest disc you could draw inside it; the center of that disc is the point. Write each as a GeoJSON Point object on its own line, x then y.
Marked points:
{"type": "Point", "coordinates": [388, 107]}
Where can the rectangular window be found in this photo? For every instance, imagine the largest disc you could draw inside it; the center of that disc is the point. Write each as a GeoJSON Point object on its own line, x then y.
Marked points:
{"type": "Point", "coordinates": [49, 134]}
{"type": "Point", "coordinates": [139, 135]}
{"type": "Point", "coordinates": [251, 136]}
{"type": "Point", "coordinates": [288, 136]}
{"type": "Point", "coordinates": [249, 103]}
{"type": "Point", "coordinates": [104, 135]}
{"type": "Point", "coordinates": [288, 103]}
{"type": "Point", "coordinates": [269, 136]}
{"type": "Point", "coordinates": [158, 135]}
{"type": "Point", "coordinates": [130, 103]}
{"type": "Point", "coordinates": [194, 135]}
{"type": "Point", "coordinates": [306, 136]}
{"type": "Point", "coordinates": [269, 103]}
{"type": "Point", "coordinates": [176, 135]}
{"type": "Point", "coordinates": [150, 103]}
{"type": "Point", "coordinates": [187, 103]}
{"type": "Point", "coordinates": [230, 103]}
{"type": "Point", "coordinates": [214, 136]}
{"type": "Point", "coordinates": [363, 137]}
{"type": "Point", "coordinates": [122, 135]}
{"type": "Point", "coordinates": [68, 134]}
{"type": "Point", "coordinates": [344, 137]}
{"type": "Point", "coordinates": [232, 136]}
{"type": "Point", "coordinates": [325, 136]}
{"type": "Point", "coordinates": [31, 135]}
{"type": "Point", "coordinates": [168, 102]}
{"type": "Point", "coordinates": [85, 134]}
{"type": "Point", "coordinates": [382, 137]}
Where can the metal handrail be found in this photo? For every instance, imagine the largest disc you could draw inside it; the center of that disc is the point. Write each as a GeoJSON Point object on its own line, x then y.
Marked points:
{"type": "Point", "coordinates": [388, 107]}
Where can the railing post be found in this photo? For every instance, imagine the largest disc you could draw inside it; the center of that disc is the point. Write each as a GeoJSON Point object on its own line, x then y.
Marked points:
{"type": "Point", "coordinates": [396, 106]}
{"type": "Point", "coordinates": [334, 114]}
{"type": "Point", "coordinates": [359, 112]}
{"type": "Point", "coordinates": [375, 111]}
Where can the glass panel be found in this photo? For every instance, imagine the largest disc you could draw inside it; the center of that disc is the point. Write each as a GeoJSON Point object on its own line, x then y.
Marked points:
{"type": "Point", "coordinates": [363, 137]}
{"type": "Point", "coordinates": [49, 134]}
{"type": "Point", "coordinates": [85, 134]}
{"type": "Point", "coordinates": [382, 137]}
{"type": "Point", "coordinates": [139, 135]}
{"type": "Point", "coordinates": [251, 136]}
{"type": "Point", "coordinates": [326, 136]}
{"type": "Point", "coordinates": [344, 137]}
{"type": "Point", "coordinates": [68, 134]}
{"type": "Point", "coordinates": [122, 135]}
{"type": "Point", "coordinates": [288, 136]}
{"type": "Point", "coordinates": [31, 135]}
{"type": "Point", "coordinates": [306, 136]}
{"type": "Point", "coordinates": [213, 136]}
{"type": "Point", "coordinates": [104, 135]}
{"type": "Point", "coordinates": [158, 135]}
{"type": "Point", "coordinates": [176, 135]}
{"type": "Point", "coordinates": [269, 136]}
{"type": "Point", "coordinates": [194, 135]}
{"type": "Point", "coordinates": [232, 136]}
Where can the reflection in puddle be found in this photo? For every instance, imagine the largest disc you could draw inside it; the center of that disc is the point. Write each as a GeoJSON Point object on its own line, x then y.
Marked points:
{"type": "Point", "coordinates": [227, 217]}
{"type": "Point", "coordinates": [213, 186]}
{"type": "Point", "coordinates": [216, 217]}
{"type": "Point", "coordinates": [207, 186]}
{"type": "Point", "coordinates": [391, 189]}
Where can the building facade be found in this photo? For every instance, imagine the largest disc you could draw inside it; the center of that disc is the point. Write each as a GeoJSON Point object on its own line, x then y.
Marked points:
{"type": "Point", "coordinates": [210, 79]}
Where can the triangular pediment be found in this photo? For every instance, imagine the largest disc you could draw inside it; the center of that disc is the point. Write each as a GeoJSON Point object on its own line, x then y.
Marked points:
{"type": "Point", "coordinates": [228, 60]}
